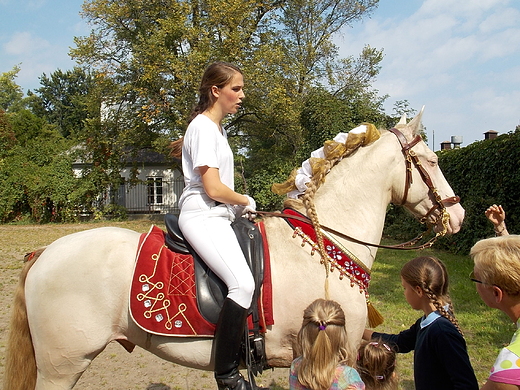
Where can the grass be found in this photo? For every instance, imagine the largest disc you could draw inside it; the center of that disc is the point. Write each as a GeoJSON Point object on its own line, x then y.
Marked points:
{"type": "Point", "coordinates": [486, 330]}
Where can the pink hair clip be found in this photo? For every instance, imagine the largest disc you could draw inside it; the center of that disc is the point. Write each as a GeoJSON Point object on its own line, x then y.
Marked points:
{"type": "Point", "coordinates": [375, 344]}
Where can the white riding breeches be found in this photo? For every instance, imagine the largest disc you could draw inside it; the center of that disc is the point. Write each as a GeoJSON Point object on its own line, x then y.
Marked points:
{"type": "Point", "coordinates": [208, 230]}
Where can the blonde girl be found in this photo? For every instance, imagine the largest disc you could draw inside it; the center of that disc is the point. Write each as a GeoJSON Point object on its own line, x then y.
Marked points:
{"type": "Point", "coordinates": [376, 365]}
{"type": "Point", "coordinates": [326, 357]}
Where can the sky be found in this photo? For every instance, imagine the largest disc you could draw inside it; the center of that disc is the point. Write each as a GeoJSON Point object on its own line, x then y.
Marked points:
{"type": "Point", "coordinates": [458, 58]}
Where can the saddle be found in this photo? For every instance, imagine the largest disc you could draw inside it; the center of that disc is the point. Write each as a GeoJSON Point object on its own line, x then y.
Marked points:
{"type": "Point", "coordinates": [211, 291]}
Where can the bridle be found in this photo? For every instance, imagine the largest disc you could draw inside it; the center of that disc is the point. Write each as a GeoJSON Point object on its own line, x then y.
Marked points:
{"type": "Point", "coordinates": [411, 160]}
{"type": "Point", "coordinates": [410, 157]}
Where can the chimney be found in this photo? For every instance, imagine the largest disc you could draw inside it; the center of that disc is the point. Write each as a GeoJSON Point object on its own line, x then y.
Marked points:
{"type": "Point", "coordinates": [446, 145]}
{"type": "Point", "coordinates": [456, 140]}
{"type": "Point", "coordinates": [491, 134]}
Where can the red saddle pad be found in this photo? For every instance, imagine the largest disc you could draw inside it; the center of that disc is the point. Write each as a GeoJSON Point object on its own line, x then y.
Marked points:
{"type": "Point", "coordinates": [163, 292]}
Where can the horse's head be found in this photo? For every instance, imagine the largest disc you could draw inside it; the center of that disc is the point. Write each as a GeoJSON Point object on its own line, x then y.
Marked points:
{"type": "Point", "coordinates": [425, 191]}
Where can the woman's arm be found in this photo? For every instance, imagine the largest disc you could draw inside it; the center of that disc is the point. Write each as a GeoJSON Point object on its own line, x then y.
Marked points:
{"type": "Point", "coordinates": [217, 190]}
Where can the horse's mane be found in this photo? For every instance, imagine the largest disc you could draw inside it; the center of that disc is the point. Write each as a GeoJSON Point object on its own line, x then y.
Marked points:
{"type": "Point", "coordinates": [333, 153]}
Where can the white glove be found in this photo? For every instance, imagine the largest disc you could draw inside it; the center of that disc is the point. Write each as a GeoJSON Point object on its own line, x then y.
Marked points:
{"type": "Point", "coordinates": [246, 211]}
{"type": "Point", "coordinates": [251, 206]}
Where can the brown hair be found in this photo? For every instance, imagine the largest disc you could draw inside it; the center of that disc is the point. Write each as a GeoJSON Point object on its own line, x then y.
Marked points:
{"type": "Point", "coordinates": [376, 365]}
{"type": "Point", "coordinates": [497, 261]}
{"type": "Point", "coordinates": [217, 74]}
{"type": "Point", "coordinates": [324, 344]}
{"type": "Point", "coordinates": [430, 274]}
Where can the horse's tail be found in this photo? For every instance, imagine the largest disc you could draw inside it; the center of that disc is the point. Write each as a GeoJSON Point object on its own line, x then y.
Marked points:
{"type": "Point", "coordinates": [20, 361]}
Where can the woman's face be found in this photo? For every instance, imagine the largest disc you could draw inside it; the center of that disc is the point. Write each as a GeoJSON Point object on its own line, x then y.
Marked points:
{"type": "Point", "coordinates": [229, 97]}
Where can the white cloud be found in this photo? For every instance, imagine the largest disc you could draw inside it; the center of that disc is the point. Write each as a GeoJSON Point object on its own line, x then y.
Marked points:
{"type": "Point", "coordinates": [33, 5]}
{"type": "Point", "coordinates": [24, 43]}
{"type": "Point", "coordinates": [459, 58]}
{"type": "Point", "coordinates": [506, 17]}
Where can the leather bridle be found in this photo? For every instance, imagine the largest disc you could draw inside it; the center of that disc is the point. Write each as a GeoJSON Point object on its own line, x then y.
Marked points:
{"type": "Point", "coordinates": [410, 157]}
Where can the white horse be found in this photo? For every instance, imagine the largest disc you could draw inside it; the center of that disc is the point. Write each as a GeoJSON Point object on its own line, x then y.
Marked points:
{"type": "Point", "coordinates": [73, 300]}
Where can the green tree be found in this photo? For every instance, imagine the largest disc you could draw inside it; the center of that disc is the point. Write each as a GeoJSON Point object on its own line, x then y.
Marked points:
{"type": "Point", "coordinates": [11, 94]}
{"type": "Point", "coordinates": [62, 100]}
{"type": "Point", "coordinates": [7, 136]}
{"type": "Point", "coordinates": [36, 177]}
{"type": "Point", "coordinates": [150, 55]}
{"type": "Point", "coordinates": [155, 52]}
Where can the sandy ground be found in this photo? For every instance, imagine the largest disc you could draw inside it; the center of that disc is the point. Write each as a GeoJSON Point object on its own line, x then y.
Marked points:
{"type": "Point", "coordinates": [114, 368]}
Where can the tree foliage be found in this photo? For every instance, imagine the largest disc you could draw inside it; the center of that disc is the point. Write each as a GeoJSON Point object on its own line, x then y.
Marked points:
{"type": "Point", "coordinates": [36, 176]}
{"type": "Point", "coordinates": [62, 100]}
{"type": "Point", "coordinates": [11, 94]}
{"type": "Point", "coordinates": [153, 53]}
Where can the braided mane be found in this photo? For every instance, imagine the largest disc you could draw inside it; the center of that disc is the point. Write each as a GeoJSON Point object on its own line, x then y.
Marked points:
{"type": "Point", "coordinates": [333, 153]}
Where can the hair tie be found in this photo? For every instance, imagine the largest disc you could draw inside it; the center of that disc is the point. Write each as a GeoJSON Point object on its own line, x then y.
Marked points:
{"type": "Point", "coordinates": [322, 327]}
{"type": "Point", "coordinates": [376, 344]}
{"type": "Point", "coordinates": [380, 377]}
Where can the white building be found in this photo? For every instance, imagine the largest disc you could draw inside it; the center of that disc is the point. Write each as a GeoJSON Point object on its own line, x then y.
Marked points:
{"type": "Point", "coordinates": [156, 190]}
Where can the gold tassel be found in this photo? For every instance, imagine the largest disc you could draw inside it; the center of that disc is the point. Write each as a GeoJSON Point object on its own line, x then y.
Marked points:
{"type": "Point", "coordinates": [374, 316]}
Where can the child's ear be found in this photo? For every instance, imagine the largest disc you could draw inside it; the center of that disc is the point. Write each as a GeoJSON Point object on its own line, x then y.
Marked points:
{"type": "Point", "coordinates": [419, 291]}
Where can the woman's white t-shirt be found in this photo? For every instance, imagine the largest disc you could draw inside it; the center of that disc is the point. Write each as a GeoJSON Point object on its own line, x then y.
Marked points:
{"type": "Point", "coordinates": [205, 145]}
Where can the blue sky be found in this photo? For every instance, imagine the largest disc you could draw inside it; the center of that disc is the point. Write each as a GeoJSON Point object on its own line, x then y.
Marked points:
{"type": "Point", "coordinates": [461, 59]}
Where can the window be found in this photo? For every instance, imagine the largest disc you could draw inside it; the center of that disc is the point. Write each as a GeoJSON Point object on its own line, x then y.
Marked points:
{"type": "Point", "coordinates": [154, 190]}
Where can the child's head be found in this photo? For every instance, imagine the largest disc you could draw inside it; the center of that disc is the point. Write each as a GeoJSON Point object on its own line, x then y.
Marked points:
{"type": "Point", "coordinates": [376, 365]}
{"type": "Point", "coordinates": [430, 275]}
{"type": "Point", "coordinates": [323, 343]}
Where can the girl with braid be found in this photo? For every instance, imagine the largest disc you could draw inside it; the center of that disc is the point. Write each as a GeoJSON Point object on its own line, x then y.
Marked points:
{"type": "Point", "coordinates": [209, 204]}
{"type": "Point", "coordinates": [441, 359]}
{"type": "Point", "coordinates": [325, 355]}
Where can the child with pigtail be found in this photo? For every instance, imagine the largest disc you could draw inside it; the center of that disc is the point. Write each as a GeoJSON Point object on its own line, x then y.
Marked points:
{"type": "Point", "coordinates": [375, 364]}
{"type": "Point", "coordinates": [441, 359]}
{"type": "Point", "coordinates": [325, 355]}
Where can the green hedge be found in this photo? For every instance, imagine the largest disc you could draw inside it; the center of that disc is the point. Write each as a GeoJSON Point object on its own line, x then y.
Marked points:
{"type": "Point", "coordinates": [482, 173]}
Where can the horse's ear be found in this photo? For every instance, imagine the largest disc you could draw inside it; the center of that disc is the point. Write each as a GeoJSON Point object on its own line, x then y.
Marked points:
{"type": "Point", "coordinates": [415, 123]}
{"type": "Point", "coordinates": [402, 121]}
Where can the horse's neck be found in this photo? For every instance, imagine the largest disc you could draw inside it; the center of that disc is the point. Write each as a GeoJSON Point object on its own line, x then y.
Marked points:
{"type": "Point", "coordinates": [353, 200]}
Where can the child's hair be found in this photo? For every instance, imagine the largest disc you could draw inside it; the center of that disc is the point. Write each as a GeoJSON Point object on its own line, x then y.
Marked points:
{"type": "Point", "coordinates": [430, 274]}
{"type": "Point", "coordinates": [324, 344]}
{"type": "Point", "coordinates": [376, 365]}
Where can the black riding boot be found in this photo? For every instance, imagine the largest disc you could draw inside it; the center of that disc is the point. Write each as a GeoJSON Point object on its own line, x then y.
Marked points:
{"type": "Point", "coordinates": [228, 336]}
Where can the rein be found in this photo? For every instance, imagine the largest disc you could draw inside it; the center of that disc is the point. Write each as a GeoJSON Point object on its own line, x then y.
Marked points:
{"type": "Point", "coordinates": [439, 203]}
{"type": "Point", "coordinates": [403, 246]}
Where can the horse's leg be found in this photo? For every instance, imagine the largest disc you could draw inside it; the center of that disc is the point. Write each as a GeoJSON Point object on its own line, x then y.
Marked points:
{"type": "Point", "coordinates": [77, 299]}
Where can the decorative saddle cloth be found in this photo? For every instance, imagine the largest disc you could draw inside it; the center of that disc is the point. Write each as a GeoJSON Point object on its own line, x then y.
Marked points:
{"type": "Point", "coordinates": [339, 257]}
{"type": "Point", "coordinates": [163, 295]}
